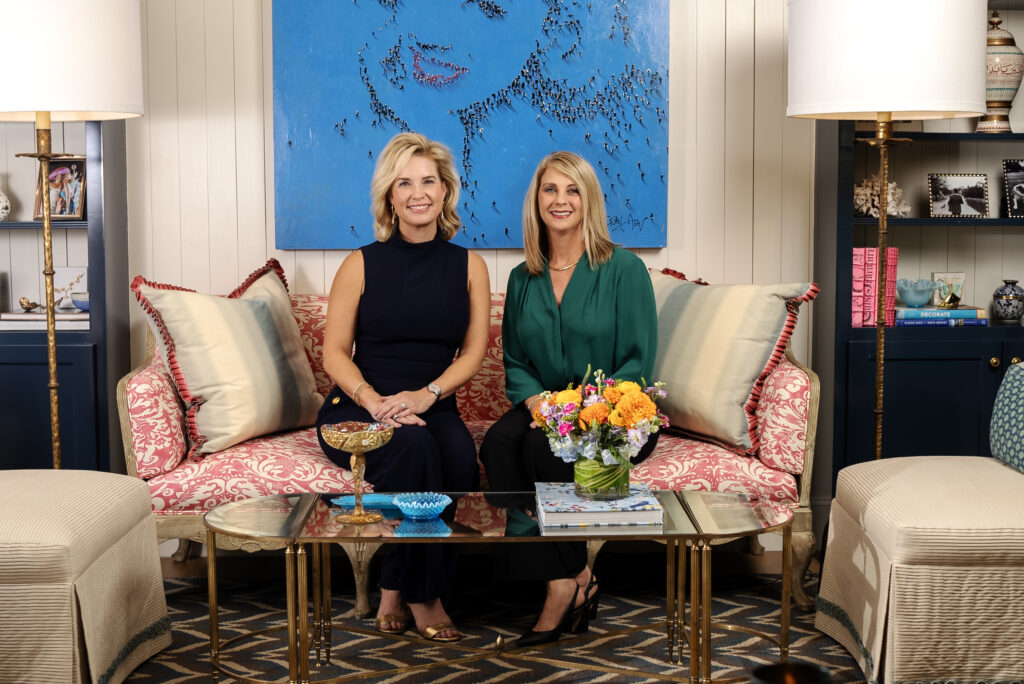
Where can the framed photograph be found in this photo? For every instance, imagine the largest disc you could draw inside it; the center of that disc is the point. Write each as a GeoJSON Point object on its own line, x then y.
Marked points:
{"type": "Point", "coordinates": [951, 282]}
{"type": "Point", "coordinates": [65, 189]}
{"type": "Point", "coordinates": [1013, 182]}
{"type": "Point", "coordinates": [958, 195]}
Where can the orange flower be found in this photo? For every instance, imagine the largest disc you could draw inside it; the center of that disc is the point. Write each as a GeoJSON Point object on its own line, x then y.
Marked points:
{"type": "Point", "coordinates": [612, 394]}
{"type": "Point", "coordinates": [634, 407]}
{"type": "Point", "coordinates": [628, 387]}
{"type": "Point", "coordinates": [595, 413]}
{"type": "Point", "coordinates": [619, 390]}
{"type": "Point", "coordinates": [538, 417]}
{"type": "Point", "coordinates": [568, 395]}
{"type": "Point", "coordinates": [615, 418]}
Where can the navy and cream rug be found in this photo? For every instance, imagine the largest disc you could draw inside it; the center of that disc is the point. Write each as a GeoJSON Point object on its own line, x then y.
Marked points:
{"type": "Point", "coordinates": [484, 611]}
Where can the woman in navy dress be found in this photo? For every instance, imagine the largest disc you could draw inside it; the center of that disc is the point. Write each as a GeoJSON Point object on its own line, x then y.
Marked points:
{"type": "Point", "coordinates": [408, 304]}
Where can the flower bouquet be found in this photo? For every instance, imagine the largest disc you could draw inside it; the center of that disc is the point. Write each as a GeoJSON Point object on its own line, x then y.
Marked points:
{"type": "Point", "coordinates": [600, 427]}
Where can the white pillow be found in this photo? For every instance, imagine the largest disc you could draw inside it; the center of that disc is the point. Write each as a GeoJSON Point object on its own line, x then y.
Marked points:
{"type": "Point", "coordinates": [237, 361]}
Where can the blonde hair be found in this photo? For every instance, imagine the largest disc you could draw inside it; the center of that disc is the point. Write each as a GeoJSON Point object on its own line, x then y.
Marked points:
{"type": "Point", "coordinates": [596, 240]}
{"type": "Point", "coordinates": [390, 162]}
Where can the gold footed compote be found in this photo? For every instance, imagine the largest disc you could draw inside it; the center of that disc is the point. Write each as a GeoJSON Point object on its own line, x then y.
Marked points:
{"type": "Point", "coordinates": [357, 438]}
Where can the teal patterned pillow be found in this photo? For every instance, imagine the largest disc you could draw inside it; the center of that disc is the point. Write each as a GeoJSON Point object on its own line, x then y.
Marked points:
{"type": "Point", "coordinates": [1007, 429]}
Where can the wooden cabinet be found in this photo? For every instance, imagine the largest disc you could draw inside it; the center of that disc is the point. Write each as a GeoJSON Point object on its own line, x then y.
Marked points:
{"type": "Point", "coordinates": [940, 383]}
{"type": "Point", "coordinates": [88, 361]}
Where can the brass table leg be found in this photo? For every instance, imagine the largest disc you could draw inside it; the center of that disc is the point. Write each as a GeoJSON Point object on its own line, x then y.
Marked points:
{"type": "Point", "coordinates": [303, 611]}
{"type": "Point", "coordinates": [325, 590]}
{"type": "Point", "coordinates": [705, 610]}
{"type": "Point", "coordinates": [211, 599]}
{"type": "Point", "coordinates": [695, 577]}
{"type": "Point", "coordinates": [671, 594]}
{"type": "Point", "coordinates": [289, 571]}
{"type": "Point", "coordinates": [787, 571]}
{"type": "Point", "coordinates": [317, 606]}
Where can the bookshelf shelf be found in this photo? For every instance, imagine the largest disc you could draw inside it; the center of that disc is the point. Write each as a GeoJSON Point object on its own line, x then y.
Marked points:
{"type": "Point", "coordinates": [942, 222]}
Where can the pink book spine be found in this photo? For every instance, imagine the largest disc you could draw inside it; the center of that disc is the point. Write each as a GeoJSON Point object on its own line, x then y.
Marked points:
{"type": "Point", "coordinates": [857, 300]}
{"type": "Point", "coordinates": [892, 257]}
{"type": "Point", "coordinates": [870, 286]}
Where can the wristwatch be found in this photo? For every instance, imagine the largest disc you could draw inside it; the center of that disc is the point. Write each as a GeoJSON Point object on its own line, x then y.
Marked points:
{"type": "Point", "coordinates": [436, 389]}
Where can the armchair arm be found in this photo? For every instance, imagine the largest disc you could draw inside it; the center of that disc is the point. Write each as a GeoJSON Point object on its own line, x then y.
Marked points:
{"type": "Point", "coordinates": [152, 417]}
{"type": "Point", "coordinates": [787, 418]}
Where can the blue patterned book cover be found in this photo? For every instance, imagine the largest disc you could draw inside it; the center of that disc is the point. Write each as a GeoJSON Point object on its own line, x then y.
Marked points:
{"type": "Point", "coordinates": [558, 504]}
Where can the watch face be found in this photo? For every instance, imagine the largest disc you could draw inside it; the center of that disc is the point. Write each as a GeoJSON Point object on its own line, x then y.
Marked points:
{"type": "Point", "coordinates": [436, 389]}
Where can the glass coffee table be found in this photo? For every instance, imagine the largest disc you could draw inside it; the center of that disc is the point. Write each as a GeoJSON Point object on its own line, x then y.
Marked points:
{"type": "Point", "coordinates": [693, 522]}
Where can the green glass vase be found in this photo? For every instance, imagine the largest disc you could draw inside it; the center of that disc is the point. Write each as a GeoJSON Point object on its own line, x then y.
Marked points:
{"type": "Point", "coordinates": [595, 480]}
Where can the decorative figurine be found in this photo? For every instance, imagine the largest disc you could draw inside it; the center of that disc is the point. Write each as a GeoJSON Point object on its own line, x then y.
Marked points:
{"type": "Point", "coordinates": [25, 304]}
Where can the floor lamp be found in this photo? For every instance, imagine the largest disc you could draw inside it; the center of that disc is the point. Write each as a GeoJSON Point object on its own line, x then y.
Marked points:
{"type": "Point", "coordinates": [884, 61]}
{"type": "Point", "coordinates": [67, 60]}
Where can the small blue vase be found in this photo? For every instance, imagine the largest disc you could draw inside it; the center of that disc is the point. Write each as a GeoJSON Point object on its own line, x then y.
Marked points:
{"type": "Point", "coordinates": [1008, 302]}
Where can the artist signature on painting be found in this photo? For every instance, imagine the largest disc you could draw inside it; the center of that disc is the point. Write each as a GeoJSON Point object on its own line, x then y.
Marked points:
{"type": "Point", "coordinates": [629, 222]}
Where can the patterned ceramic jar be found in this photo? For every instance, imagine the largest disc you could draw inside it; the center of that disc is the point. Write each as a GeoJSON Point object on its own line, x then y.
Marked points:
{"type": "Point", "coordinates": [5, 206]}
{"type": "Point", "coordinates": [1004, 67]}
{"type": "Point", "coordinates": [1008, 302]}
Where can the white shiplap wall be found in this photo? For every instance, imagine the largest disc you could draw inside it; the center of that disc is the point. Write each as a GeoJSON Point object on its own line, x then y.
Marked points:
{"type": "Point", "coordinates": [201, 194]}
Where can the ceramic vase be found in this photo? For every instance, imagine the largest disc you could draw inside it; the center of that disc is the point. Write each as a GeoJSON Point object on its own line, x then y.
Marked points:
{"type": "Point", "coordinates": [1008, 302]}
{"type": "Point", "coordinates": [1004, 67]}
{"type": "Point", "coordinates": [595, 480]}
{"type": "Point", "coordinates": [5, 206]}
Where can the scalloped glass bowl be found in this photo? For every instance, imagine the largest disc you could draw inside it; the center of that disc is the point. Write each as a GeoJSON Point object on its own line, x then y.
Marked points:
{"type": "Point", "coordinates": [422, 505]}
{"type": "Point", "coordinates": [916, 292]}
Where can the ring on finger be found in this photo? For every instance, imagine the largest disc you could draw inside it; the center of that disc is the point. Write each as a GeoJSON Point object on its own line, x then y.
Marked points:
{"type": "Point", "coordinates": [404, 406]}
{"type": "Point", "coordinates": [394, 417]}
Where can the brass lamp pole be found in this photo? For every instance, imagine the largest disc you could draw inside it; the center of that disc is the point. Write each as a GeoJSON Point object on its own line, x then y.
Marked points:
{"type": "Point", "coordinates": [883, 140]}
{"type": "Point", "coordinates": [44, 155]}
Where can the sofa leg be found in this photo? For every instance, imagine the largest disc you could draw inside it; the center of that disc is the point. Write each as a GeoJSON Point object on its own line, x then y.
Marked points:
{"type": "Point", "coordinates": [803, 550]}
{"type": "Point", "coordinates": [359, 556]}
{"type": "Point", "coordinates": [593, 546]}
{"type": "Point", "coordinates": [182, 554]}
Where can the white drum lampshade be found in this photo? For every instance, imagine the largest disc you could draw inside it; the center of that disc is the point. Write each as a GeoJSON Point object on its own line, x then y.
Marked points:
{"type": "Point", "coordinates": [915, 59]}
{"type": "Point", "coordinates": [79, 61]}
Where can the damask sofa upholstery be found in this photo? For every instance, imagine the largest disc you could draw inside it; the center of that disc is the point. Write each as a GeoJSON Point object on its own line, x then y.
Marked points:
{"type": "Point", "coordinates": [153, 430]}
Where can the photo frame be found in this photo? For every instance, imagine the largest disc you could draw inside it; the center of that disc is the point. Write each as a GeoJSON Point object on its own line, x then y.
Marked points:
{"type": "Point", "coordinates": [951, 282]}
{"type": "Point", "coordinates": [1013, 184]}
{"type": "Point", "coordinates": [958, 195]}
{"type": "Point", "coordinates": [66, 190]}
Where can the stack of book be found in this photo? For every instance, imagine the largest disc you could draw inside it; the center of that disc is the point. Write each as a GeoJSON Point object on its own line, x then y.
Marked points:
{"type": "Point", "coordinates": [558, 506]}
{"type": "Point", "coordinates": [923, 316]}
{"type": "Point", "coordinates": [36, 320]}
{"type": "Point", "coordinates": [864, 303]}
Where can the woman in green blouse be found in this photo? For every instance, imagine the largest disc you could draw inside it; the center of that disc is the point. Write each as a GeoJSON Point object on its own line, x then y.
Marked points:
{"type": "Point", "coordinates": [577, 301]}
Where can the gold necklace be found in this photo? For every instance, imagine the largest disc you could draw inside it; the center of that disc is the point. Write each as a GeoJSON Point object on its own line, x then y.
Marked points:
{"type": "Point", "coordinates": [565, 268]}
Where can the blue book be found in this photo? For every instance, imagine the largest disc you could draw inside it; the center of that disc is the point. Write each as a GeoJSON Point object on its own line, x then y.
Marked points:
{"type": "Point", "coordinates": [558, 505]}
{"type": "Point", "coordinates": [938, 312]}
{"type": "Point", "coordinates": [940, 322]}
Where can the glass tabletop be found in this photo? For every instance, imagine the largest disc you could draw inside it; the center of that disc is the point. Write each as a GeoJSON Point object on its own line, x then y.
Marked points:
{"type": "Point", "coordinates": [485, 516]}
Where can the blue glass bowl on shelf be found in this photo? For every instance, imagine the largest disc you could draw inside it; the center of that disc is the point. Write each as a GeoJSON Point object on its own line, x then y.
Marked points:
{"type": "Point", "coordinates": [422, 505]}
{"type": "Point", "coordinates": [916, 292]}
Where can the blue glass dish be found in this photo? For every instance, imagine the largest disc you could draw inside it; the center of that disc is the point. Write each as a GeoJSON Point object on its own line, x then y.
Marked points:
{"type": "Point", "coordinates": [370, 500]}
{"type": "Point", "coordinates": [422, 505]}
{"type": "Point", "coordinates": [434, 527]}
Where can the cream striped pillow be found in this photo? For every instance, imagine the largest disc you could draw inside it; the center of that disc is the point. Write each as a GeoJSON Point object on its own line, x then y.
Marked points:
{"type": "Point", "coordinates": [237, 361]}
{"type": "Point", "coordinates": [716, 345]}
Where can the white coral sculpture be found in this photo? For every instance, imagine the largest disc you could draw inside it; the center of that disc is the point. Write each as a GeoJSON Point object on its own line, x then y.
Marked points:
{"type": "Point", "coordinates": [865, 199]}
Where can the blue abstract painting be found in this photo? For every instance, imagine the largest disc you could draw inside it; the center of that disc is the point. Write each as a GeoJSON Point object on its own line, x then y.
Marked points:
{"type": "Point", "coordinates": [501, 82]}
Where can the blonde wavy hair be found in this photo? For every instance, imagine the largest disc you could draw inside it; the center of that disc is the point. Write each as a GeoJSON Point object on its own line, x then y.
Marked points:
{"type": "Point", "coordinates": [596, 240]}
{"type": "Point", "coordinates": [390, 162]}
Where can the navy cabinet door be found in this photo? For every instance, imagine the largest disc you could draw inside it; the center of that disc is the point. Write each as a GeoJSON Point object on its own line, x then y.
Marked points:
{"type": "Point", "coordinates": [25, 407]}
{"type": "Point", "coordinates": [937, 398]}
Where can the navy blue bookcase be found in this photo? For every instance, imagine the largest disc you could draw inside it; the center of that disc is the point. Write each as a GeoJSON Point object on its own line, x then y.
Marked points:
{"type": "Point", "coordinates": [940, 383]}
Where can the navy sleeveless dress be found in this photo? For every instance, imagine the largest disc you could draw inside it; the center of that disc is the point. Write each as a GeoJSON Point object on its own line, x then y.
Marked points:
{"type": "Point", "coordinates": [412, 318]}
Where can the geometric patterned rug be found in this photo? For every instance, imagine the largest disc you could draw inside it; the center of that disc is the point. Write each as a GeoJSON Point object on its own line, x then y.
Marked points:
{"type": "Point", "coordinates": [483, 611]}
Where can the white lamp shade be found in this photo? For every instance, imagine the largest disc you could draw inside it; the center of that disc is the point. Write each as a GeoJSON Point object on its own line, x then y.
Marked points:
{"type": "Point", "coordinates": [80, 60]}
{"type": "Point", "coordinates": [915, 59]}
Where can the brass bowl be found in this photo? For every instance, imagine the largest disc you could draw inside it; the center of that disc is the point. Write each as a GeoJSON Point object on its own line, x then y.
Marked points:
{"type": "Point", "coordinates": [356, 437]}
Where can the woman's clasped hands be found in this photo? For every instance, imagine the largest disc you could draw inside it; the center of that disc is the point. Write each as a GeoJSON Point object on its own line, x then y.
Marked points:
{"type": "Point", "coordinates": [403, 408]}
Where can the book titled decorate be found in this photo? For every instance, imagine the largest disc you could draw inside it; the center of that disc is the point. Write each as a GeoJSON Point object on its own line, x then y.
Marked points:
{"type": "Point", "coordinates": [923, 312]}
{"type": "Point", "coordinates": [558, 505]}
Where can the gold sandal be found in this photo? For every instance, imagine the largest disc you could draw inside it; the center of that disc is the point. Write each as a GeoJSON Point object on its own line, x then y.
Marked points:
{"type": "Point", "coordinates": [402, 620]}
{"type": "Point", "coordinates": [431, 633]}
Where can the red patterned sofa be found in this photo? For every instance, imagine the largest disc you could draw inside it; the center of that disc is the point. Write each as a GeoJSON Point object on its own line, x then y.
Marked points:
{"type": "Point", "coordinates": [152, 425]}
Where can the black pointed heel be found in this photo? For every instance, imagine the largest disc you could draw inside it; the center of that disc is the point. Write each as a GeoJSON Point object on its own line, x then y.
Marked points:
{"type": "Point", "coordinates": [591, 600]}
{"type": "Point", "coordinates": [570, 622]}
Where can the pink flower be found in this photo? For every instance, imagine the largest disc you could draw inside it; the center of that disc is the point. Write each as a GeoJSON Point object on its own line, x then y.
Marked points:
{"type": "Point", "coordinates": [564, 429]}
{"type": "Point", "coordinates": [568, 408]}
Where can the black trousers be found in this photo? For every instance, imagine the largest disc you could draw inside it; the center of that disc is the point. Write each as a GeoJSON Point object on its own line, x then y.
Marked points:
{"type": "Point", "coordinates": [515, 457]}
{"type": "Point", "coordinates": [440, 457]}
